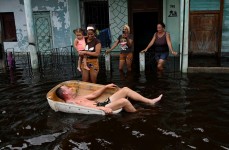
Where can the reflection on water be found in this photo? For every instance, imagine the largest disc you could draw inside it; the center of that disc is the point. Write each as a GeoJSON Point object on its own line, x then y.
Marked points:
{"type": "Point", "coordinates": [193, 114]}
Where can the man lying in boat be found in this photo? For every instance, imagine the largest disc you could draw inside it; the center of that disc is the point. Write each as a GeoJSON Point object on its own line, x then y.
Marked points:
{"type": "Point", "coordinates": [114, 102]}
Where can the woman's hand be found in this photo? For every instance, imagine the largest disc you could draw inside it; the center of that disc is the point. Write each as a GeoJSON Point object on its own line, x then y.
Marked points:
{"type": "Point", "coordinates": [108, 51]}
{"type": "Point", "coordinates": [143, 51]}
{"type": "Point", "coordinates": [81, 53]}
{"type": "Point", "coordinates": [174, 53]}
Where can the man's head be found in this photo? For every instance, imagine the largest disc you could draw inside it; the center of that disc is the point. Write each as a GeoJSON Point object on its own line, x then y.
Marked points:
{"type": "Point", "coordinates": [65, 92]}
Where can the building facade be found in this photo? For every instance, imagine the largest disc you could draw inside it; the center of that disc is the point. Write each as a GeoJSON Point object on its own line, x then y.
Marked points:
{"type": "Point", "coordinates": [196, 27]}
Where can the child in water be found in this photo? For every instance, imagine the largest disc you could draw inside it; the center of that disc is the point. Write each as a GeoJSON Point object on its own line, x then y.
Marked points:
{"type": "Point", "coordinates": [80, 44]}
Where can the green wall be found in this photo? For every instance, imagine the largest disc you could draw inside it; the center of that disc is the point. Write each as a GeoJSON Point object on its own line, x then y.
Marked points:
{"type": "Point", "coordinates": [196, 5]}
{"type": "Point", "coordinates": [225, 35]}
{"type": "Point", "coordinates": [74, 15]}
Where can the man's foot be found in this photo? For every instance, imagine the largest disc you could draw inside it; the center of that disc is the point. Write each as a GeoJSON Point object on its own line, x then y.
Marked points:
{"type": "Point", "coordinates": [86, 67]}
{"type": "Point", "coordinates": [155, 100]}
{"type": "Point", "coordinates": [79, 69]}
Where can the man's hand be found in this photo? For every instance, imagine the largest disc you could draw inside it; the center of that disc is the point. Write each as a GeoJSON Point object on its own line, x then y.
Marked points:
{"type": "Point", "coordinates": [111, 85]}
{"type": "Point", "coordinates": [106, 110]}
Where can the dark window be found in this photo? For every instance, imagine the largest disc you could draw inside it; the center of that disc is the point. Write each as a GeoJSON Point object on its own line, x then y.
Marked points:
{"type": "Point", "coordinates": [96, 12]}
{"type": "Point", "coordinates": [7, 27]}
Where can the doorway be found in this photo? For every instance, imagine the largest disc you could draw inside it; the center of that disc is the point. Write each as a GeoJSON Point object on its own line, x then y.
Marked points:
{"type": "Point", "coordinates": [143, 18]}
{"type": "Point", "coordinates": [203, 39]}
{"type": "Point", "coordinates": [145, 25]}
{"type": "Point", "coordinates": [43, 31]}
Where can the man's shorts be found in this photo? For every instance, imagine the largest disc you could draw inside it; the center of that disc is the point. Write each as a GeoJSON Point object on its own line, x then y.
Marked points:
{"type": "Point", "coordinates": [126, 56]}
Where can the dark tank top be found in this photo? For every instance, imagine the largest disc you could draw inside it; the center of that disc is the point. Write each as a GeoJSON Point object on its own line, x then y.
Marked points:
{"type": "Point", "coordinates": [160, 43]}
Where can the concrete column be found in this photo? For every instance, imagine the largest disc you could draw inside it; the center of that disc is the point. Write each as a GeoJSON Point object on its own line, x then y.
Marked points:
{"type": "Point", "coordinates": [108, 61]}
{"type": "Point", "coordinates": [164, 11]}
{"type": "Point", "coordinates": [142, 61]}
{"type": "Point", "coordinates": [31, 35]}
{"type": "Point", "coordinates": [186, 38]}
{"type": "Point", "coordinates": [181, 32]}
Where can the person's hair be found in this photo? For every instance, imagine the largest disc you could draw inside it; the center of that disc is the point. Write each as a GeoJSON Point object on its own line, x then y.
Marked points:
{"type": "Point", "coordinates": [91, 27]}
{"type": "Point", "coordinates": [128, 28]}
{"type": "Point", "coordinates": [79, 30]}
{"type": "Point", "coordinates": [59, 93]}
{"type": "Point", "coordinates": [162, 24]}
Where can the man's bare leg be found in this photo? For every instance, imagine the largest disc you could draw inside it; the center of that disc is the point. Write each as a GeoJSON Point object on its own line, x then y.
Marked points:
{"type": "Point", "coordinates": [121, 103]}
{"type": "Point", "coordinates": [126, 92]}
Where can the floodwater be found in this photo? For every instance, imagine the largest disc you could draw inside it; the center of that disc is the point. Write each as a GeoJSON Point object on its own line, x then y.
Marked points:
{"type": "Point", "coordinates": [193, 113]}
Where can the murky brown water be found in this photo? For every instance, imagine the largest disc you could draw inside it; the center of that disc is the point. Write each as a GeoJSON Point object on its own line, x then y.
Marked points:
{"type": "Point", "coordinates": [193, 114]}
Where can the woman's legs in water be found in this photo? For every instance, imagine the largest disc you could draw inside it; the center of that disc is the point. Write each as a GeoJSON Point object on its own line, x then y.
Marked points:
{"type": "Point", "coordinates": [93, 75]}
{"type": "Point", "coordinates": [129, 60]}
{"type": "Point", "coordinates": [85, 75]}
{"type": "Point", "coordinates": [160, 65]}
{"type": "Point", "coordinates": [121, 65]}
{"type": "Point", "coordinates": [94, 70]}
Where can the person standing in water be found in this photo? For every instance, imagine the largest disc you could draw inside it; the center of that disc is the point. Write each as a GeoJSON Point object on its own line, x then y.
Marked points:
{"type": "Point", "coordinates": [125, 41]}
{"type": "Point", "coordinates": [92, 51]}
{"type": "Point", "coordinates": [162, 43]}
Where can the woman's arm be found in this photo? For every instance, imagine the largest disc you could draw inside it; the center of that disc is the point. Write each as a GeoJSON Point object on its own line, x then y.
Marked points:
{"type": "Point", "coordinates": [168, 39]}
{"type": "Point", "coordinates": [96, 53]}
{"type": "Point", "coordinates": [114, 45]}
{"type": "Point", "coordinates": [150, 44]}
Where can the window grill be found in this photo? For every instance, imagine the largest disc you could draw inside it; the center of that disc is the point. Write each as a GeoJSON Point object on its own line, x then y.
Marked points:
{"type": "Point", "coordinates": [95, 12]}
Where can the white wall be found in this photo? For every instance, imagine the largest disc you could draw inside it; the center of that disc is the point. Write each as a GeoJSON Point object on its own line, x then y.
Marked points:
{"type": "Point", "coordinates": [20, 23]}
{"type": "Point", "coordinates": [173, 22]}
{"type": "Point", "coordinates": [62, 36]}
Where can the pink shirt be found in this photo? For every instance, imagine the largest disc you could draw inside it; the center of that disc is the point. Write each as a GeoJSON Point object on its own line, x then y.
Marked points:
{"type": "Point", "coordinates": [80, 46]}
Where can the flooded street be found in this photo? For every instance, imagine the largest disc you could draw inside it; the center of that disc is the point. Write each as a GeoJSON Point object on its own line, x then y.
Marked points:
{"type": "Point", "coordinates": [193, 113]}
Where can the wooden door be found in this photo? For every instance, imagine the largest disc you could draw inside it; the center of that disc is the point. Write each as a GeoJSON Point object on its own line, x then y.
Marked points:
{"type": "Point", "coordinates": [204, 33]}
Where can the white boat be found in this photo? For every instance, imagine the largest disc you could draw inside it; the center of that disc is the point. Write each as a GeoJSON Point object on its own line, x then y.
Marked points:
{"type": "Point", "coordinates": [82, 88]}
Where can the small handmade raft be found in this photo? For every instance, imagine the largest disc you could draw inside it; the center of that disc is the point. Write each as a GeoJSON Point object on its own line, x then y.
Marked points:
{"type": "Point", "coordinates": [82, 88]}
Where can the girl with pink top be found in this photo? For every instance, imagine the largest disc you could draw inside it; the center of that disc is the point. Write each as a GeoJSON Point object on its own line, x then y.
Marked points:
{"type": "Point", "coordinates": [80, 44]}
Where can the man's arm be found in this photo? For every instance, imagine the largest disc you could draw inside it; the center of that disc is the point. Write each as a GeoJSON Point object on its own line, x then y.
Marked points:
{"type": "Point", "coordinates": [99, 92]}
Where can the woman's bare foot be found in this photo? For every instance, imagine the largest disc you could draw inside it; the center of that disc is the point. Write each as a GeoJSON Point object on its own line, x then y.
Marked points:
{"type": "Point", "coordinates": [79, 69]}
{"type": "Point", "coordinates": [155, 100]}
